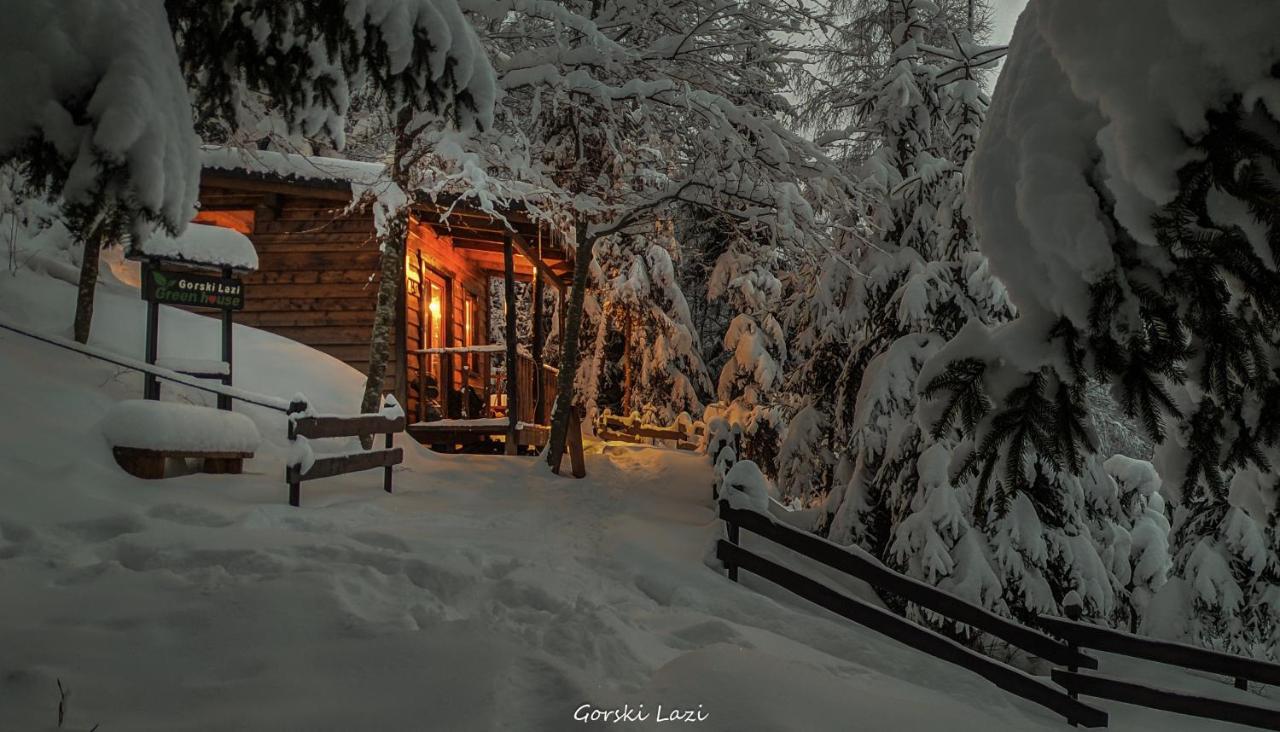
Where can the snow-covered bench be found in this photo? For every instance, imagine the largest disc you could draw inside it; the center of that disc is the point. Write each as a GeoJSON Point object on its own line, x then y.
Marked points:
{"type": "Point", "coordinates": [143, 434]}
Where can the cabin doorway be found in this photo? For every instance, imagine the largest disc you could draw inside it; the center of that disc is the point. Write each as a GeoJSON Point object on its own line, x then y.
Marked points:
{"type": "Point", "coordinates": [430, 298]}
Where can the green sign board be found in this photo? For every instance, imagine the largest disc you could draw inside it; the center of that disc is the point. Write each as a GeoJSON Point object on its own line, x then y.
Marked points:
{"type": "Point", "coordinates": [193, 290]}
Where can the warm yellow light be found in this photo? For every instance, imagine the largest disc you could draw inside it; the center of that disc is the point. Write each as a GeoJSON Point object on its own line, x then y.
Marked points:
{"type": "Point", "coordinates": [434, 307]}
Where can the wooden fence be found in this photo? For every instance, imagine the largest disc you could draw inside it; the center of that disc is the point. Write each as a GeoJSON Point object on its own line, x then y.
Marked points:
{"type": "Point", "coordinates": [1241, 669]}
{"type": "Point", "coordinates": [904, 631]}
{"type": "Point", "coordinates": [363, 426]}
{"type": "Point", "coordinates": [1060, 645]}
{"type": "Point", "coordinates": [686, 436]}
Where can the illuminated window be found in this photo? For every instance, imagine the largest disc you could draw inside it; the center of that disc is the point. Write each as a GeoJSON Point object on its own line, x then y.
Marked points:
{"type": "Point", "coordinates": [241, 221]}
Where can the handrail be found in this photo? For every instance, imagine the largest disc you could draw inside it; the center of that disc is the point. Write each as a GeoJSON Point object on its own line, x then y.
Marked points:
{"type": "Point", "coordinates": [882, 578]}
{"type": "Point", "coordinates": [487, 348]}
{"type": "Point", "coordinates": [248, 397]}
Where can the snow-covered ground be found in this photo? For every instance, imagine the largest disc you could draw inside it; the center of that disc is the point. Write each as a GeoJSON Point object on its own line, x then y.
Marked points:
{"type": "Point", "coordinates": [484, 594]}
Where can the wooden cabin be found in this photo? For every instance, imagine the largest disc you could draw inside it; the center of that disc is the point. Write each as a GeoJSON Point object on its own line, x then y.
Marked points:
{"type": "Point", "coordinates": [318, 278]}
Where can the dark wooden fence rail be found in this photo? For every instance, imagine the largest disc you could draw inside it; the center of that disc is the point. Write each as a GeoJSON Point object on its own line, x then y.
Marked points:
{"type": "Point", "coordinates": [1242, 669]}
{"type": "Point", "coordinates": [908, 633]}
{"type": "Point", "coordinates": [1128, 692]}
{"type": "Point", "coordinates": [1063, 650]}
{"type": "Point", "coordinates": [365, 425]}
{"type": "Point", "coordinates": [886, 580]}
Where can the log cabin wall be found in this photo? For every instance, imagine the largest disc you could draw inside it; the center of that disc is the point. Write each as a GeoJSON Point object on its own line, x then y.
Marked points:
{"type": "Point", "coordinates": [459, 281]}
{"type": "Point", "coordinates": [317, 278]}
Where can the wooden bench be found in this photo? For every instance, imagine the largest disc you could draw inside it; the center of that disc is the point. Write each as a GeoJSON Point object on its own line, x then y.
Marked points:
{"type": "Point", "coordinates": [144, 434]}
{"type": "Point", "coordinates": [150, 464]}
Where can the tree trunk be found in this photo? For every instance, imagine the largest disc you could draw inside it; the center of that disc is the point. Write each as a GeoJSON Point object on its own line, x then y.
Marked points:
{"type": "Point", "coordinates": [88, 284]}
{"type": "Point", "coordinates": [392, 279]}
{"type": "Point", "coordinates": [569, 352]}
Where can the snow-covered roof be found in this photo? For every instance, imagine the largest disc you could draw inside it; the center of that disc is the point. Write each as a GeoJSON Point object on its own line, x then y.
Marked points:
{"type": "Point", "coordinates": [215, 246]}
{"type": "Point", "coordinates": [288, 166]}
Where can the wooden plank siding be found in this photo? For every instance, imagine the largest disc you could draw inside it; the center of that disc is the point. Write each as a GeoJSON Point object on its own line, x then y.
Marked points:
{"type": "Point", "coordinates": [460, 278]}
{"type": "Point", "coordinates": [317, 280]}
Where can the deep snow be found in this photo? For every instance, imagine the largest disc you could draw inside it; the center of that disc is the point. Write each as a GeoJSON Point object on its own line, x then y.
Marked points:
{"type": "Point", "coordinates": [484, 594]}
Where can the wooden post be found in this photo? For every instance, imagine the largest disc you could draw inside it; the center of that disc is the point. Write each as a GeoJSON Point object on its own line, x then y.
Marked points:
{"type": "Point", "coordinates": [150, 384]}
{"type": "Point", "coordinates": [577, 461]}
{"type": "Point", "coordinates": [224, 401]}
{"type": "Point", "coordinates": [539, 392]}
{"type": "Point", "coordinates": [513, 398]}
{"type": "Point", "coordinates": [465, 359]}
{"type": "Point", "coordinates": [386, 471]}
{"type": "Point", "coordinates": [293, 473]}
{"type": "Point", "coordinates": [423, 359]}
{"type": "Point", "coordinates": [732, 530]}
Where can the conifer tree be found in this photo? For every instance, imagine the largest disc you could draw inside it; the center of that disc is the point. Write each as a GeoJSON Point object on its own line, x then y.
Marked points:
{"type": "Point", "coordinates": [1164, 286]}
{"type": "Point", "coordinates": [747, 391]}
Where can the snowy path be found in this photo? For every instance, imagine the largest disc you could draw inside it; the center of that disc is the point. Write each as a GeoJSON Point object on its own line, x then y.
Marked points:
{"type": "Point", "coordinates": [483, 595]}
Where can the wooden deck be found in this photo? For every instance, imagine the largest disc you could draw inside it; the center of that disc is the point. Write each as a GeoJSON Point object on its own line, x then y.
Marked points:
{"type": "Point", "coordinates": [476, 435]}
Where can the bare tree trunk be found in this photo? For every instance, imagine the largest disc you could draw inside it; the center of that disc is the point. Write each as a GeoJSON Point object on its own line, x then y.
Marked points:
{"type": "Point", "coordinates": [392, 279]}
{"type": "Point", "coordinates": [569, 352]}
{"type": "Point", "coordinates": [88, 283]}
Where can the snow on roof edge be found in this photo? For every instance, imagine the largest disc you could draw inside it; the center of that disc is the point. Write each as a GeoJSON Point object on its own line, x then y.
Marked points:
{"type": "Point", "coordinates": [289, 166]}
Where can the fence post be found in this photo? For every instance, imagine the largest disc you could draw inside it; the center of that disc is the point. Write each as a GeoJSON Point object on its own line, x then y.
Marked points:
{"type": "Point", "coordinates": [732, 531]}
{"type": "Point", "coordinates": [386, 471]}
{"type": "Point", "coordinates": [293, 473]}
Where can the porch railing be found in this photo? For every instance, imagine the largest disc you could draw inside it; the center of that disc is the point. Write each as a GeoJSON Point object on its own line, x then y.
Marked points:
{"type": "Point", "coordinates": [477, 370]}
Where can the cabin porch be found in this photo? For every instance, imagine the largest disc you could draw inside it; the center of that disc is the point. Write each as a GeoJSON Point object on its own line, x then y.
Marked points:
{"type": "Point", "coordinates": [486, 406]}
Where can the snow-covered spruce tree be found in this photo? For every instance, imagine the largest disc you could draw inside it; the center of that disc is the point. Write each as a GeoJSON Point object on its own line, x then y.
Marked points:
{"type": "Point", "coordinates": [660, 360]}
{"type": "Point", "coordinates": [819, 318]}
{"type": "Point", "coordinates": [747, 392]}
{"type": "Point", "coordinates": [919, 281]}
{"type": "Point", "coordinates": [1140, 516]}
{"type": "Point", "coordinates": [1133, 220]}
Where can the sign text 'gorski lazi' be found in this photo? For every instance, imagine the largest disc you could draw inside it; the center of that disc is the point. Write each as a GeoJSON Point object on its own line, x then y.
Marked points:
{"type": "Point", "coordinates": [193, 290]}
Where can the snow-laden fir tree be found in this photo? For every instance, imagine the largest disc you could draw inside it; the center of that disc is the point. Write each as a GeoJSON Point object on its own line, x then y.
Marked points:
{"type": "Point", "coordinates": [917, 281]}
{"type": "Point", "coordinates": [747, 391]}
{"type": "Point", "coordinates": [662, 373]}
{"type": "Point", "coordinates": [1133, 219]}
{"type": "Point", "coordinates": [1144, 527]}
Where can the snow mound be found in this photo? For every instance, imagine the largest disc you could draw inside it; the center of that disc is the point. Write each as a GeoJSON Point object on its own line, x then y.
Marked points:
{"type": "Point", "coordinates": [751, 487]}
{"type": "Point", "coordinates": [154, 425]}
{"type": "Point", "coordinates": [201, 244]}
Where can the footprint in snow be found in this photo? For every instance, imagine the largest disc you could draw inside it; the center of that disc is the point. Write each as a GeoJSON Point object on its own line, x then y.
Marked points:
{"type": "Point", "coordinates": [189, 516]}
{"type": "Point", "coordinates": [708, 633]}
{"type": "Point", "coordinates": [105, 528]}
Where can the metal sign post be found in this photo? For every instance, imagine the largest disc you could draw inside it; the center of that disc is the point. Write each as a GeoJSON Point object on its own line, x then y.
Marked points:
{"type": "Point", "coordinates": [189, 289]}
